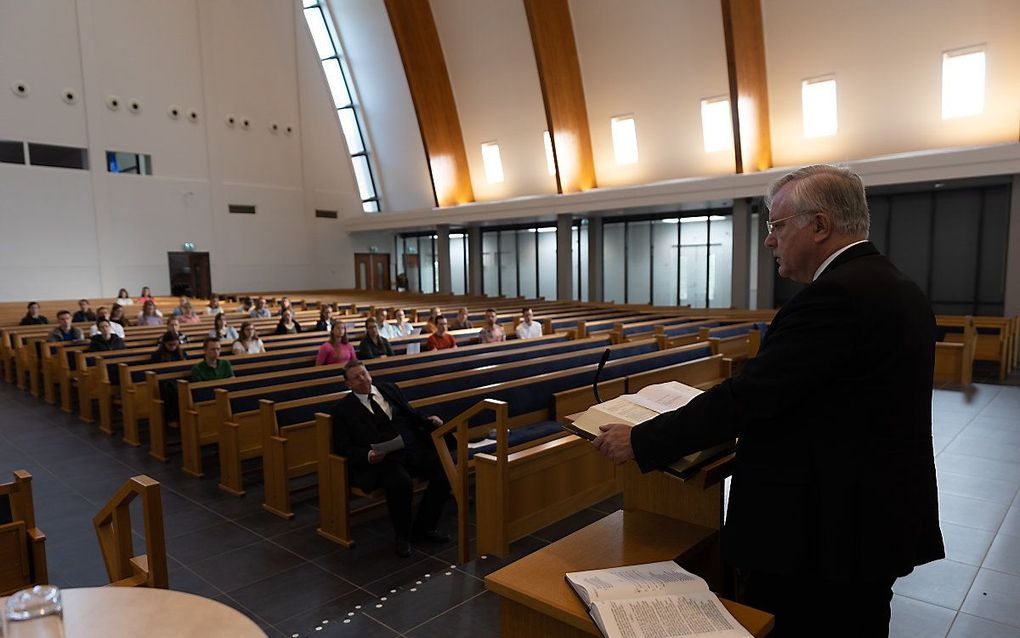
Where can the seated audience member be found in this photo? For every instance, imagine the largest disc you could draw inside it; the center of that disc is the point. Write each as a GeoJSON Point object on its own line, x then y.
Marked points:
{"type": "Point", "coordinates": [117, 316]}
{"type": "Point", "coordinates": [169, 349]}
{"type": "Point", "coordinates": [462, 322]}
{"type": "Point", "coordinates": [179, 310]}
{"type": "Point", "coordinates": [124, 299]}
{"type": "Point", "coordinates": [440, 339]}
{"type": "Point", "coordinates": [145, 296]}
{"type": "Point", "coordinates": [430, 325]}
{"type": "Point", "coordinates": [401, 327]}
{"type": "Point", "coordinates": [336, 349]}
{"type": "Point", "coordinates": [528, 328]}
{"type": "Point", "coordinates": [260, 311]}
{"type": "Point", "coordinates": [387, 330]}
{"type": "Point", "coordinates": [373, 345]}
{"type": "Point", "coordinates": [284, 306]}
{"type": "Point", "coordinates": [221, 330]}
{"type": "Point", "coordinates": [188, 314]}
{"type": "Point", "coordinates": [325, 322]}
{"type": "Point", "coordinates": [105, 339]}
{"type": "Point", "coordinates": [214, 306]}
{"type": "Point", "coordinates": [84, 312]}
{"type": "Point", "coordinates": [378, 413]}
{"type": "Point", "coordinates": [492, 332]}
{"type": "Point", "coordinates": [32, 317]}
{"type": "Point", "coordinates": [173, 326]}
{"type": "Point", "coordinates": [64, 331]}
{"type": "Point", "coordinates": [149, 316]}
{"type": "Point", "coordinates": [287, 325]}
{"type": "Point", "coordinates": [103, 313]}
{"type": "Point", "coordinates": [248, 341]}
{"type": "Point", "coordinates": [246, 305]}
{"type": "Point", "coordinates": [211, 367]}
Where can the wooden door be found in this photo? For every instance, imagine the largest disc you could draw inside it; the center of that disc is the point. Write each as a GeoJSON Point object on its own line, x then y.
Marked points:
{"type": "Point", "coordinates": [190, 274]}
{"type": "Point", "coordinates": [372, 271]}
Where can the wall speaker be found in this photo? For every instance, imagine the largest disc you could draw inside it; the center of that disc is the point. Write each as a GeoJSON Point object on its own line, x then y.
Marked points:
{"type": "Point", "coordinates": [21, 89]}
{"type": "Point", "coordinates": [173, 112]}
{"type": "Point", "coordinates": [193, 116]}
{"type": "Point", "coordinates": [231, 120]}
{"type": "Point", "coordinates": [135, 106]}
{"type": "Point", "coordinates": [69, 96]}
{"type": "Point", "coordinates": [245, 124]}
{"type": "Point", "coordinates": [113, 102]}
{"type": "Point", "coordinates": [289, 129]}
{"type": "Point", "coordinates": [274, 128]}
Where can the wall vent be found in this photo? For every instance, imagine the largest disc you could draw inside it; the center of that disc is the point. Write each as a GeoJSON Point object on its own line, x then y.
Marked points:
{"type": "Point", "coordinates": [241, 209]}
{"type": "Point", "coordinates": [325, 214]}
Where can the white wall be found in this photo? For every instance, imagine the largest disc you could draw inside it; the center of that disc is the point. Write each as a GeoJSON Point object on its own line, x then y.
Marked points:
{"type": "Point", "coordinates": [655, 59]}
{"type": "Point", "coordinates": [91, 232]}
{"type": "Point", "coordinates": [393, 137]}
{"type": "Point", "coordinates": [887, 57]}
{"type": "Point", "coordinates": [491, 63]}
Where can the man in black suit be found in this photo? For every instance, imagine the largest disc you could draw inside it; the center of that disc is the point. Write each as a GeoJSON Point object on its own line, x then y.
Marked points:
{"type": "Point", "coordinates": [379, 413]}
{"type": "Point", "coordinates": [833, 494]}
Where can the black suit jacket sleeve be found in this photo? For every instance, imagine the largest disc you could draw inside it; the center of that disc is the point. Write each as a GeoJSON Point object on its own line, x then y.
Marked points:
{"type": "Point", "coordinates": [809, 345]}
{"type": "Point", "coordinates": [349, 439]}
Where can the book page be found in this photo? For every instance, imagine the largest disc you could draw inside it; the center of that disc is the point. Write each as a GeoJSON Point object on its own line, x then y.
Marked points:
{"type": "Point", "coordinates": [665, 397]}
{"type": "Point", "coordinates": [635, 580]}
{"type": "Point", "coordinates": [618, 410]}
{"type": "Point", "coordinates": [695, 614]}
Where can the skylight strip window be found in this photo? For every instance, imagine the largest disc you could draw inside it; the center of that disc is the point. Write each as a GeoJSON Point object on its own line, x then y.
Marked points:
{"type": "Point", "coordinates": [334, 67]}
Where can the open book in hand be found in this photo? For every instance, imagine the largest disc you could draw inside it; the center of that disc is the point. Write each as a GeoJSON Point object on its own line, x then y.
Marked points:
{"type": "Point", "coordinates": [655, 599]}
{"type": "Point", "coordinates": [648, 403]}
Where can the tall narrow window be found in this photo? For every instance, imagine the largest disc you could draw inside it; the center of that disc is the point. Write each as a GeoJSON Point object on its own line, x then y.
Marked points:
{"type": "Point", "coordinates": [334, 67]}
{"type": "Point", "coordinates": [963, 83]}
{"type": "Point", "coordinates": [717, 124]}
{"type": "Point", "coordinates": [624, 140]}
{"type": "Point", "coordinates": [818, 98]}
{"type": "Point", "coordinates": [493, 163]}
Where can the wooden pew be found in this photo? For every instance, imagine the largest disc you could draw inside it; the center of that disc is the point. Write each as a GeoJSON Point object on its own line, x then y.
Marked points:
{"type": "Point", "coordinates": [954, 360]}
{"type": "Point", "coordinates": [22, 544]}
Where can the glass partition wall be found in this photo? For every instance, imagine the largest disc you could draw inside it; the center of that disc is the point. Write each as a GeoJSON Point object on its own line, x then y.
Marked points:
{"type": "Point", "coordinates": [669, 261]}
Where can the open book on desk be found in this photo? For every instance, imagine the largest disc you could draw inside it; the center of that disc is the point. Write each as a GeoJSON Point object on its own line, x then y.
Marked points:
{"type": "Point", "coordinates": [647, 404]}
{"type": "Point", "coordinates": [655, 599]}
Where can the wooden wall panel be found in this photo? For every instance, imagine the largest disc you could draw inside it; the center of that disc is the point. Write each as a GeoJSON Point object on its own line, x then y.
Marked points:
{"type": "Point", "coordinates": [432, 94]}
{"type": "Point", "coordinates": [552, 35]}
{"type": "Point", "coordinates": [749, 101]}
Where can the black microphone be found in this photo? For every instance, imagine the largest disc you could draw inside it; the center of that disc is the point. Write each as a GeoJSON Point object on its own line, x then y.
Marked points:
{"type": "Point", "coordinates": [598, 373]}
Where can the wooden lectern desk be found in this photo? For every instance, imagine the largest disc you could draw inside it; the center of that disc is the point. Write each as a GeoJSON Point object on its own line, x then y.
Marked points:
{"type": "Point", "coordinates": [663, 519]}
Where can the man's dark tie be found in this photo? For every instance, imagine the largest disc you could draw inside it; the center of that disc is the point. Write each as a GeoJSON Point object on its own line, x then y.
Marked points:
{"type": "Point", "coordinates": [376, 408]}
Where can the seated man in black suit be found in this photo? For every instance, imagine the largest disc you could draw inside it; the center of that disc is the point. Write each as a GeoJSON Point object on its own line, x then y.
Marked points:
{"type": "Point", "coordinates": [375, 414]}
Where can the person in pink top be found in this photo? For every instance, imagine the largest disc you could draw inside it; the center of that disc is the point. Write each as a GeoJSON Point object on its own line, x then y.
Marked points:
{"type": "Point", "coordinates": [336, 349]}
{"type": "Point", "coordinates": [188, 314]}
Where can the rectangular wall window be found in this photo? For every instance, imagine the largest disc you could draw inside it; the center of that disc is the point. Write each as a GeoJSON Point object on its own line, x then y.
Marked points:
{"type": "Point", "coordinates": [128, 163]}
{"type": "Point", "coordinates": [818, 100]}
{"type": "Point", "coordinates": [963, 83]}
{"type": "Point", "coordinates": [58, 156]}
{"type": "Point", "coordinates": [694, 262]}
{"type": "Point", "coordinates": [720, 261]}
{"type": "Point", "coordinates": [12, 152]}
{"type": "Point", "coordinates": [427, 256]}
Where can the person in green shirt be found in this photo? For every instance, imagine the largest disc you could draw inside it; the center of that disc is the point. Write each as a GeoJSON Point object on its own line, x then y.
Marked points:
{"type": "Point", "coordinates": [211, 367]}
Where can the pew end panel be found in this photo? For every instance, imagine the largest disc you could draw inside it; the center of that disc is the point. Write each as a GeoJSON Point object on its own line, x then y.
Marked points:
{"type": "Point", "coordinates": [113, 529]}
{"type": "Point", "coordinates": [22, 544]}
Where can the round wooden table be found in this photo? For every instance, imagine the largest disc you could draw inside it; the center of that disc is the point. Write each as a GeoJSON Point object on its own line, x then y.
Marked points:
{"type": "Point", "coordinates": [116, 612]}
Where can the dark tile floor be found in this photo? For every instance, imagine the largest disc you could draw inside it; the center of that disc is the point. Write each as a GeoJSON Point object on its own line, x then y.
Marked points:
{"type": "Point", "coordinates": [281, 574]}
